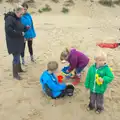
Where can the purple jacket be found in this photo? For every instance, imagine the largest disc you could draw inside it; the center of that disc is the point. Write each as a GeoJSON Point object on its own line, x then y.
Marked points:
{"type": "Point", "coordinates": [77, 59]}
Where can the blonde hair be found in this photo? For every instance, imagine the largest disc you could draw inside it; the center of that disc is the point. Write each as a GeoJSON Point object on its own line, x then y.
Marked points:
{"type": "Point", "coordinates": [52, 66]}
{"type": "Point", "coordinates": [101, 54]}
{"type": "Point", "coordinates": [64, 54]}
{"type": "Point", "coordinates": [18, 9]}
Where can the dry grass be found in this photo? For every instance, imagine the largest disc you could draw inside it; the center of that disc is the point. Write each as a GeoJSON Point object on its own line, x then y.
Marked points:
{"type": "Point", "coordinates": [30, 1]}
{"type": "Point", "coordinates": [32, 12]}
{"type": "Point", "coordinates": [16, 1]}
{"type": "Point", "coordinates": [40, 11]}
{"type": "Point", "coordinates": [69, 3]}
{"type": "Point", "coordinates": [55, 1]}
{"type": "Point", "coordinates": [10, 1]}
{"type": "Point", "coordinates": [47, 8]}
{"type": "Point", "coordinates": [65, 10]}
{"type": "Point", "coordinates": [117, 2]}
{"type": "Point", "coordinates": [108, 3]}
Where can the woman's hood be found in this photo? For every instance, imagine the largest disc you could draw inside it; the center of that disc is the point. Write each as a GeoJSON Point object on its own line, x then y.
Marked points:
{"type": "Point", "coordinates": [9, 14]}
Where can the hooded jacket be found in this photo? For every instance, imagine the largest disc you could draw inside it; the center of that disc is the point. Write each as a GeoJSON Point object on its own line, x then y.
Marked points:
{"type": "Point", "coordinates": [13, 33]}
{"type": "Point", "coordinates": [77, 59]}
{"type": "Point", "coordinates": [26, 19]}
{"type": "Point", "coordinates": [104, 72]}
{"type": "Point", "coordinates": [52, 82]}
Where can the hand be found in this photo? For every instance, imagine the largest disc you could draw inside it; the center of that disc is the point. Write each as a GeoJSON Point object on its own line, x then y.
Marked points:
{"type": "Point", "coordinates": [23, 33]}
{"type": "Point", "coordinates": [67, 71]}
{"type": "Point", "coordinates": [25, 40]}
{"type": "Point", "coordinates": [101, 80]}
{"type": "Point", "coordinates": [63, 61]}
{"type": "Point", "coordinates": [28, 27]}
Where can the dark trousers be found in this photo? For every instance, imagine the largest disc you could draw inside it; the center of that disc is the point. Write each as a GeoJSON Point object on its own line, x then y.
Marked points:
{"type": "Point", "coordinates": [65, 92]}
{"type": "Point", "coordinates": [80, 69]}
{"type": "Point", "coordinates": [96, 101]}
{"type": "Point", "coordinates": [16, 58]}
{"type": "Point", "coordinates": [30, 42]}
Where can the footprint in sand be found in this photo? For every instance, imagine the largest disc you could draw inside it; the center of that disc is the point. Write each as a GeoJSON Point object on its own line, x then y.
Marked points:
{"type": "Point", "coordinates": [20, 100]}
{"type": "Point", "coordinates": [7, 70]}
{"type": "Point", "coordinates": [4, 56]}
{"type": "Point", "coordinates": [10, 74]}
{"type": "Point", "coordinates": [34, 115]}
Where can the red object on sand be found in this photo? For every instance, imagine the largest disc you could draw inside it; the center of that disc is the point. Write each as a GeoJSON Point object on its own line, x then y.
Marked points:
{"type": "Point", "coordinates": [77, 81]}
{"type": "Point", "coordinates": [108, 45]}
{"type": "Point", "coordinates": [60, 78]}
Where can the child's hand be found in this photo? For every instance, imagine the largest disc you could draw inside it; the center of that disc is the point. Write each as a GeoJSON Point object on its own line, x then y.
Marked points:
{"type": "Point", "coordinates": [63, 61]}
{"type": "Point", "coordinates": [101, 80]}
{"type": "Point", "coordinates": [23, 33]}
{"type": "Point", "coordinates": [67, 71]}
{"type": "Point", "coordinates": [28, 27]}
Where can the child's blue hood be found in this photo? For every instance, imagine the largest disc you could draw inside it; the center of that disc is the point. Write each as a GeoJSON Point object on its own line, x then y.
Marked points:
{"type": "Point", "coordinates": [26, 19]}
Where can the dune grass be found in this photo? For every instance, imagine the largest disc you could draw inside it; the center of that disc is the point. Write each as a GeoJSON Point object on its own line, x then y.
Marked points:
{"type": "Point", "coordinates": [47, 8]}
{"type": "Point", "coordinates": [65, 10]}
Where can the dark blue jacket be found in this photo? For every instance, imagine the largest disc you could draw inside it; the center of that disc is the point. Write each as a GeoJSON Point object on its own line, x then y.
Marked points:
{"type": "Point", "coordinates": [13, 33]}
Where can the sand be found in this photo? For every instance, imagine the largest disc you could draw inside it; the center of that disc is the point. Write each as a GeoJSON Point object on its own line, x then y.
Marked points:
{"type": "Point", "coordinates": [82, 28]}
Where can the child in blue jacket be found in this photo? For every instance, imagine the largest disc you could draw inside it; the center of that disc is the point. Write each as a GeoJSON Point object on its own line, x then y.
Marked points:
{"type": "Point", "coordinates": [27, 21]}
{"type": "Point", "coordinates": [49, 79]}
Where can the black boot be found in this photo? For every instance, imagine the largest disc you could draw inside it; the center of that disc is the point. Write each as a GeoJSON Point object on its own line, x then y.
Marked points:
{"type": "Point", "coordinates": [19, 68]}
{"type": "Point", "coordinates": [15, 72]}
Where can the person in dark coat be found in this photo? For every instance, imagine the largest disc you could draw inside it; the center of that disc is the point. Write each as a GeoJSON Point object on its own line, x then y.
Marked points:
{"type": "Point", "coordinates": [14, 31]}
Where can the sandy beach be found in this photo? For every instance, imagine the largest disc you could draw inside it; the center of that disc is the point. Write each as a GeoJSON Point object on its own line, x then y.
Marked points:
{"type": "Point", "coordinates": [85, 25]}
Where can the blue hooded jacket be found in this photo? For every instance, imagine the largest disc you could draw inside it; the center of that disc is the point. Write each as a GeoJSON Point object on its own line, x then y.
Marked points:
{"type": "Point", "coordinates": [26, 19]}
{"type": "Point", "coordinates": [52, 82]}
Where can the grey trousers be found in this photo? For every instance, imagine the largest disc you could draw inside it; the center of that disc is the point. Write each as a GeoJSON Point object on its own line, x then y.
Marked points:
{"type": "Point", "coordinates": [96, 101]}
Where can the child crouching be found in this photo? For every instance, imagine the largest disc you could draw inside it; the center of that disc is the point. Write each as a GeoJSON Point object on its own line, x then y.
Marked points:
{"type": "Point", "coordinates": [50, 84]}
{"type": "Point", "coordinates": [98, 77]}
{"type": "Point", "coordinates": [77, 61]}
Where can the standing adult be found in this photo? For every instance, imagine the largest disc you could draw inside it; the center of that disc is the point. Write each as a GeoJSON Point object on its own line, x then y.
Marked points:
{"type": "Point", "coordinates": [26, 19]}
{"type": "Point", "coordinates": [14, 32]}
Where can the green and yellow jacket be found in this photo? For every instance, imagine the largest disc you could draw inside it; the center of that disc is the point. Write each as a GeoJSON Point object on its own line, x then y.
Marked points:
{"type": "Point", "coordinates": [104, 72]}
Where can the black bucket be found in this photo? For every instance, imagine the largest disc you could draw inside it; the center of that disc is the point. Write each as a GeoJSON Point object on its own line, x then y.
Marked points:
{"type": "Point", "coordinates": [70, 90]}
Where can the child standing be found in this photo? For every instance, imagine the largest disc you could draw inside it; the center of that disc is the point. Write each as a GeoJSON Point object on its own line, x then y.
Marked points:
{"type": "Point", "coordinates": [26, 20]}
{"type": "Point", "coordinates": [77, 60]}
{"type": "Point", "coordinates": [50, 84]}
{"type": "Point", "coordinates": [105, 76]}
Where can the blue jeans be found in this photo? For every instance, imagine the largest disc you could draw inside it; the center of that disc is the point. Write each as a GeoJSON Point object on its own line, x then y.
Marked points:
{"type": "Point", "coordinates": [79, 70]}
{"type": "Point", "coordinates": [16, 58]}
